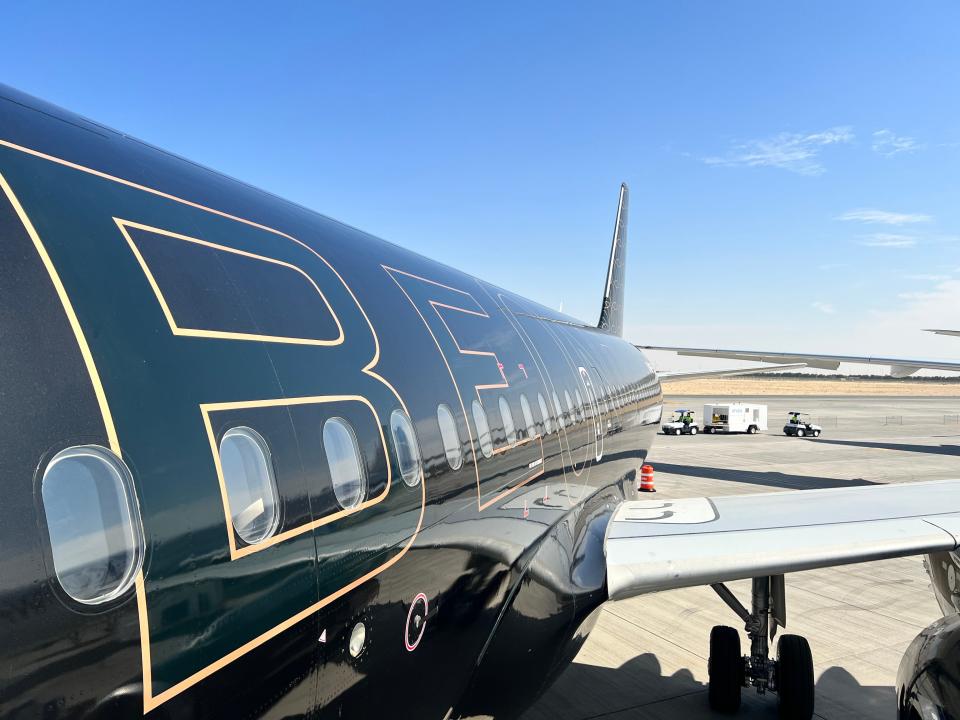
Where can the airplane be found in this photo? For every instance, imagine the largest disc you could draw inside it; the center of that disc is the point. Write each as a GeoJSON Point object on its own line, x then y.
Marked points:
{"type": "Point", "coordinates": [260, 464]}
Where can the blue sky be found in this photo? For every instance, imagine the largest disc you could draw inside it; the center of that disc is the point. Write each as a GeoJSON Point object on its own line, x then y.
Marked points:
{"type": "Point", "coordinates": [793, 166]}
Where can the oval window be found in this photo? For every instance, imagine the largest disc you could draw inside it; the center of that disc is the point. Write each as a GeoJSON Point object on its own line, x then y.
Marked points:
{"type": "Point", "coordinates": [251, 488]}
{"type": "Point", "coordinates": [408, 450]}
{"type": "Point", "coordinates": [96, 538]}
{"type": "Point", "coordinates": [343, 459]}
{"type": "Point", "coordinates": [509, 427]}
{"type": "Point", "coordinates": [560, 418]}
{"type": "Point", "coordinates": [483, 429]}
{"type": "Point", "coordinates": [545, 414]}
{"type": "Point", "coordinates": [571, 413]}
{"type": "Point", "coordinates": [451, 438]}
{"type": "Point", "coordinates": [528, 416]}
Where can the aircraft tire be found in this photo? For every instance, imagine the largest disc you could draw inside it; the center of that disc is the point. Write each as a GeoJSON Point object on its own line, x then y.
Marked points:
{"type": "Point", "coordinates": [725, 668]}
{"type": "Point", "coordinates": [795, 678]}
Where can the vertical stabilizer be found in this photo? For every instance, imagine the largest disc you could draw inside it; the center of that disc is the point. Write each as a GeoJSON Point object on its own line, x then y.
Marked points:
{"type": "Point", "coordinates": [611, 315]}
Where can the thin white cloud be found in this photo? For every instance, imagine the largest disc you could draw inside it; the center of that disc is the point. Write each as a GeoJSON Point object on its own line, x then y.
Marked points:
{"type": "Point", "coordinates": [823, 307]}
{"type": "Point", "coordinates": [888, 240]}
{"type": "Point", "coordinates": [915, 295]}
{"type": "Point", "coordinates": [888, 144]}
{"type": "Point", "coordinates": [927, 278]}
{"type": "Point", "coordinates": [883, 217]}
{"type": "Point", "coordinates": [894, 324]}
{"type": "Point", "coordinates": [795, 152]}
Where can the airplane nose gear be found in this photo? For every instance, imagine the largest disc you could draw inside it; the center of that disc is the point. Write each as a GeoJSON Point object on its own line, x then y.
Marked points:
{"type": "Point", "coordinates": [790, 675]}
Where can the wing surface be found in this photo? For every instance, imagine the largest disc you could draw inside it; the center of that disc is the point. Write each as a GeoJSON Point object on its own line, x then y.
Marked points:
{"type": "Point", "coordinates": [654, 545]}
{"type": "Point", "coordinates": [666, 377]}
{"type": "Point", "coordinates": [899, 367]}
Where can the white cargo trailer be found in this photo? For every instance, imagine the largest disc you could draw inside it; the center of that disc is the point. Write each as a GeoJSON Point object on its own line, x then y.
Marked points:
{"type": "Point", "coordinates": [734, 417]}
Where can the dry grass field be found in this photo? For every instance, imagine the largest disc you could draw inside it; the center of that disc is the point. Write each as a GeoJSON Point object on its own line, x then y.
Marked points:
{"type": "Point", "coordinates": [827, 386]}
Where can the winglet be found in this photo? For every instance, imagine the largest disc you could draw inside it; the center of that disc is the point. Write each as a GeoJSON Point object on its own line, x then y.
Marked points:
{"type": "Point", "coordinates": [611, 315]}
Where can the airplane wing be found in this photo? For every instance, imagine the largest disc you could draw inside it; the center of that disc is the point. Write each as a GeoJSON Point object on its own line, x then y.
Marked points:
{"type": "Point", "coordinates": [654, 545]}
{"type": "Point", "coordinates": [666, 377]}
{"type": "Point", "coordinates": [944, 332]}
{"type": "Point", "coordinates": [899, 367]}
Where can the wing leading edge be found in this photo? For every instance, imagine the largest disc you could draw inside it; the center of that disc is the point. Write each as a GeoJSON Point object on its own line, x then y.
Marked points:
{"type": "Point", "coordinates": [662, 545]}
{"type": "Point", "coordinates": [667, 377]}
{"type": "Point", "coordinates": [899, 367]}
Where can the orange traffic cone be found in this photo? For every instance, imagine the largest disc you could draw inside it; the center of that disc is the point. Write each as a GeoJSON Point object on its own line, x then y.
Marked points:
{"type": "Point", "coordinates": [646, 479]}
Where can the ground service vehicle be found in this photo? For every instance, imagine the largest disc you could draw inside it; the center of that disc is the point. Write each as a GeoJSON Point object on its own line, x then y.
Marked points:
{"type": "Point", "coordinates": [734, 418]}
{"type": "Point", "coordinates": [799, 425]}
{"type": "Point", "coordinates": [682, 424]}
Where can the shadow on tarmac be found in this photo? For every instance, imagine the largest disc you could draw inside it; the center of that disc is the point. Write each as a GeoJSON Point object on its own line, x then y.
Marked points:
{"type": "Point", "coordinates": [953, 450]}
{"type": "Point", "coordinates": [639, 691]}
{"type": "Point", "coordinates": [770, 479]}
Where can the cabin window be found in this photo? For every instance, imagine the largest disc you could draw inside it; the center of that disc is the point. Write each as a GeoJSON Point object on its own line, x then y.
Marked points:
{"type": "Point", "coordinates": [450, 437]}
{"type": "Point", "coordinates": [545, 414]}
{"type": "Point", "coordinates": [251, 488]}
{"type": "Point", "coordinates": [483, 429]}
{"type": "Point", "coordinates": [561, 421]}
{"type": "Point", "coordinates": [94, 524]}
{"type": "Point", "coordinates": [408, 451]}
{"type": "Point", "coordinates": [345, 463]}
{"type": "Point", "coordinates": [528, 417]}
{"type": "Point", "coordinates": [509, 427]}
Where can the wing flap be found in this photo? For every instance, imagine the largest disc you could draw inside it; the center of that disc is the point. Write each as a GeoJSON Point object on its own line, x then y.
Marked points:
{"type": "Point", "coordinates": [662, 545]}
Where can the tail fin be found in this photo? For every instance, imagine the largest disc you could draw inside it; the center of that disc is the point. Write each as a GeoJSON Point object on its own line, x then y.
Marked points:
{"type": "Point", "coordinates": [611, 316]}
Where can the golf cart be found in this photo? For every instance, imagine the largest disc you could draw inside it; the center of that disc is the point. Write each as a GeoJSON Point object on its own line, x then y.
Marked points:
{"type": "Point", "coordinates": [682, 424]}
{"type": "Point", "coordinates": [799, 426]}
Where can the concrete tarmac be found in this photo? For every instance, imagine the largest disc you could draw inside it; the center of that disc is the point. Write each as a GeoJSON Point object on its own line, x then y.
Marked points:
{"type": "Point", "coordinates": [647, 657]}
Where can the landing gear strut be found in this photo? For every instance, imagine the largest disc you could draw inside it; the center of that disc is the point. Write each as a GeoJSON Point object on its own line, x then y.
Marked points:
{"type": "Point", "coordinates": [790, 675]}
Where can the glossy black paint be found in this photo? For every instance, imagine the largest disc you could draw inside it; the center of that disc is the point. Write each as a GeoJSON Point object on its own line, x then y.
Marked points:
{"type": "Point", "coordinates": [928, 681]}
{"type": "Point", "coordinates": [507, 549]}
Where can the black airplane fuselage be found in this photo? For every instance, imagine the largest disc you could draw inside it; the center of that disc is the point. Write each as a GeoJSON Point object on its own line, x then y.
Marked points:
{"type": "Point", "coordinates": [149, 307]}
